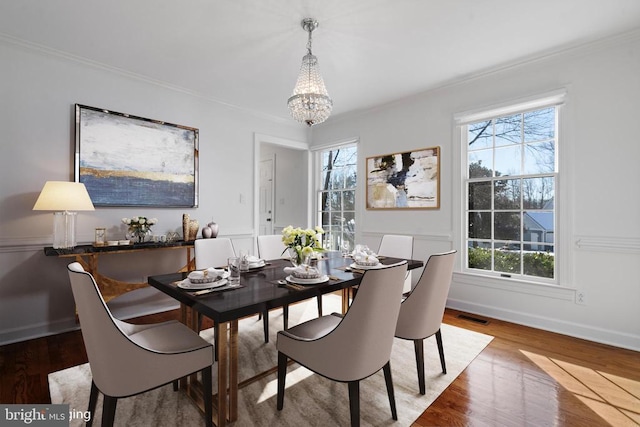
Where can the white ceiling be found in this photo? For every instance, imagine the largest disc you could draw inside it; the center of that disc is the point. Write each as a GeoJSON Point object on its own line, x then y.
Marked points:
{"type": "Point", "coordinates": [248, 52]}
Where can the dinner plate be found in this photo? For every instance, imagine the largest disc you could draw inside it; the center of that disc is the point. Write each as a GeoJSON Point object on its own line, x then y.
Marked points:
{"type": "Point", "coordinates": [301, 281]}
{"type": "Point", "coordinates": [366, 267]}
{"type": "Point", "coordinates": [187, 285]}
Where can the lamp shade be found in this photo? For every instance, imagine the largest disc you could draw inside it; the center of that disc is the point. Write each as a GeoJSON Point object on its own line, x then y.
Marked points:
{"type": "Point", "coordinates": [63, 196]}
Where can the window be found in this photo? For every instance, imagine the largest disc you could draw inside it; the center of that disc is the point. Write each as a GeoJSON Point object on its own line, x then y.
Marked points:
{"type": "Point", "coordinates": [336, 195]}
{"type": "Point", "coordinates": [510, 207]}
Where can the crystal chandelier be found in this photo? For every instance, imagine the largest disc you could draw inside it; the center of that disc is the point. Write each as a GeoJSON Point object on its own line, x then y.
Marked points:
{"type": "Point", "coordinates": [310, 102]}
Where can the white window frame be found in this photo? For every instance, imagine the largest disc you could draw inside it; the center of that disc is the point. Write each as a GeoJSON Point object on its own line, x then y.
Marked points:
{"type": "Point", "coordinates": [562, 244]}
{"type": "Point", "coordinates": [318, 176]}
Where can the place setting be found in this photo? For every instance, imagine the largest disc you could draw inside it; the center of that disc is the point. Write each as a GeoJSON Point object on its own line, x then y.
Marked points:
{"type": "Point", "coordinates": [208, 280]}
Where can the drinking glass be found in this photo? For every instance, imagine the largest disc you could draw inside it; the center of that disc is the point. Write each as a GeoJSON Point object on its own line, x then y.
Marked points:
{"type": "Point", "coordinates": [345, 249]}
{"type": "Point", "coordinates": [233, 265]}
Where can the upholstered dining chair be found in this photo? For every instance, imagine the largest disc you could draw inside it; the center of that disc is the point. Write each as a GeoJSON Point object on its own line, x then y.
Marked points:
{"type": "Point", "coordinates": [350, 348]}
{"type": "Point", "coordinates": [127, 359]}
{"type": "Point", "coordinates": [213, 252]}
{"type": "Point", "coordinates": [271, 247]}
{"type": "Point", "coordinates": [422, 311]}
{"type": "Point", "coordinates": [398, 246]}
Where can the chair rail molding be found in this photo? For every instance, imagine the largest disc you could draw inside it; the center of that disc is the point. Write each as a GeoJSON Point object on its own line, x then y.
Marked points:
{"type": "Point", "coordinates": [440, 237]}
{"type": "Point", "coordinates": [607, 243]}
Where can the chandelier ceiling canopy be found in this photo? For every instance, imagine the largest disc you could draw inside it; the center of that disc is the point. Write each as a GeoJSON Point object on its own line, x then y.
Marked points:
{"type": "Point", "coordinates": [310, 103]}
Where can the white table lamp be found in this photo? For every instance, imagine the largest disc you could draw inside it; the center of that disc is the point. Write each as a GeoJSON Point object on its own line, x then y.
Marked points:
{"type": "Point", "coordinates": [66, 198]}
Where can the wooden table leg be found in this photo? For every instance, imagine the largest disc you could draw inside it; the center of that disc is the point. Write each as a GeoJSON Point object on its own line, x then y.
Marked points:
{"type": "Point", "coordinates": [233, 370]}
{"type": "Point", "coordinates": [223, 351]}
{"type": "Point", "coordinates": [345, 300]}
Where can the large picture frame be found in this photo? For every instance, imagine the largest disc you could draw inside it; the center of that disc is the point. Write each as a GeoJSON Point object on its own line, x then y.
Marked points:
{"type": "Point", "coordinates": [125, 160]}
{"type": "Point", "coordinates": [405, 180]}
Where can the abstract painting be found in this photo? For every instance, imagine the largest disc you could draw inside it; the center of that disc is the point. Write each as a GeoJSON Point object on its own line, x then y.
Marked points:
{"type": "Point", "coordinates": [125, 160]}
{"type": "Point", "coordinates": [408, 180]}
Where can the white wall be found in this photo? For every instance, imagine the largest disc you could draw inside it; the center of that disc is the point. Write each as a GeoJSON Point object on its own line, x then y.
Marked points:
{"type": "Point", "coordinates": [38, 90]}
{"type": "Point", "coordinates": [599, 197]}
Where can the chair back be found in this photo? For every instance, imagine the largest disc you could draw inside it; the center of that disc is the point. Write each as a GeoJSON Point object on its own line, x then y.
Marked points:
{"type": "Point", "coordinates": [422, 311]}
{"type": "Point", "coordinates": [396, 246]}
{"type": "Point", "coordinates": [271, 247]}
{"type": "Point", "coordinates": [213, 252]}
{"type": "Point", "coordinates": [361, 343]}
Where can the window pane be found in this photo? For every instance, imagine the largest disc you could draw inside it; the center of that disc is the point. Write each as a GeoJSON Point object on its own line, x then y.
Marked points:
{"type": "Point", "coordinates": [509, 130]}
{"type": "Point", "coordinates": [506, 194]}
{"type": "Point", "coordinates": [326, 205]}
{"type": "Point", "coordinates": [538, 227]}
{"type": "Point", "coordinates": [337, 179]}
{"type": "Point", "coordinates": [507, 258]}
{"type": "Point", "coordinates": [540, 157]}
{"type": "Point", "coordinates": [335, 200]}
{"type": "Point", "coordinates": [481, 164]}
{"type": "Point", "coordinates": [540, 124]}
{"type": "Point", "coordinates": [480, 195]}
{"type": "Point", "coordinates": [509, 160]}
{"type": "Point", "coordinates": [350, 173]}
{"type": "Point", "coordinates": [349, 200]}
{"type": "Point", "coordinates": [480, 254]}
{"type": "Point", "coordinates": [538, 193]}
{"type": "Point", "coordinates": [480, 225]}
{"type": "Point", "coordinates": [506, 226]}
{"type": "Point", "coordinates": [346, 156]}
{"type": "Point", "coordinates": [480, 135]}
{"type": "Point", "coordinates": [539, 264]}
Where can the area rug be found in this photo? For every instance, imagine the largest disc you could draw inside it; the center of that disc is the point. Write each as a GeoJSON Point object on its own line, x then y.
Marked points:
{"type": "Point", "coordinates": [310, 400]}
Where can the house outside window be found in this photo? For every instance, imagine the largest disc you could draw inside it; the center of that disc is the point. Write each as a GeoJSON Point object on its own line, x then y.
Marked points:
{"type": "Point", "coordinates": [510, 204]}
{"type": "Point", "coordinates": [336, 184]}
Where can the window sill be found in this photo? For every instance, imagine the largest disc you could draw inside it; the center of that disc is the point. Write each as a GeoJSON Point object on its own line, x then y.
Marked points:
{"type": "Point", "coordinates": [515, 285]}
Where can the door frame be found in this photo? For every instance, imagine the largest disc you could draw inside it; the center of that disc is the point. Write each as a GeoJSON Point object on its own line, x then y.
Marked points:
{"type": "Point", "coordinates": [258, 139]}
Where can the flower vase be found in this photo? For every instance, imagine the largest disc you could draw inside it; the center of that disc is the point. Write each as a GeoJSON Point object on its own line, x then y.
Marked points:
{"type": "Point", "coordinates": [295, 256]}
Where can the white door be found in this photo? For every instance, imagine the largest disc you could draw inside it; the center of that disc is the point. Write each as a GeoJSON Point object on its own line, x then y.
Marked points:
{"type": "Point", "coordinates": [266, 197]}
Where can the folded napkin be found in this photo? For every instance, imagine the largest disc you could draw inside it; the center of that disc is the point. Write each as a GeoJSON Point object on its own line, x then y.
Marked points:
{"type": "Point", "coordinates": [364, 259]}
{"type": "Point", "coordinates": [209, 273]}
{"type": "Point", "coordinates": [303, 271]}
{"type": "Point", "coordinates": [252, 259]}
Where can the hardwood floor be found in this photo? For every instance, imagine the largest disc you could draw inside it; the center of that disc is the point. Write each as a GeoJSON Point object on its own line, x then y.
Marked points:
{"type": "Point", "coordinates": [525, 377]}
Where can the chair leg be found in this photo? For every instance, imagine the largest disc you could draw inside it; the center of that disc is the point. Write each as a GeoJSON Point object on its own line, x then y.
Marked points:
{"type": "Point", "coordinates": [419, 349]}
{"type": "Point", "coordinates": [389, 382]}
{"type": "Point", "coordinates": [265, 325]}
{"type": "Point", "coordinates": [109, 411]}
{"type": "Point", "coordinates": [319, 305]}
{"type": "Point", "coordinates": [282, 375]}
{"type": "Point", "coordinates": [285, 316]}
{"type": "Point", "coordinates": [208, 396]}
{"type": "Point", "coordinates": [93, 400]}
{"type": "Point", "coordinates": [215, 341]}
{"type": "Point", "coordinates": [441, 351]}
{"type": "Point", "coordinates": [354, 403]}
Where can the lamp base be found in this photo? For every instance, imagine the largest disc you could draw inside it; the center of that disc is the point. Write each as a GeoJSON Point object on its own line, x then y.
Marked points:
{"type": "Point", "coordinates": [64, 230]}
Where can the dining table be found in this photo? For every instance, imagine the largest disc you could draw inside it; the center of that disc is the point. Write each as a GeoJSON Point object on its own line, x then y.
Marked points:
{"type": "Point", "coordinates": [260, 289]}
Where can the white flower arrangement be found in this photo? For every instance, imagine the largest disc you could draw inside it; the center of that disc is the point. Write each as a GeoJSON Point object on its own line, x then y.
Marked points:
{"type": "Point", "coordinates": [139, 226]}
{"type": "Point", "coordinates": [303, 241]}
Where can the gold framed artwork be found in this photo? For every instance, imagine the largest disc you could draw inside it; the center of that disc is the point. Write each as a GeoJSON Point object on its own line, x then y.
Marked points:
{"type": "Point", "coordinates": [406, 180]}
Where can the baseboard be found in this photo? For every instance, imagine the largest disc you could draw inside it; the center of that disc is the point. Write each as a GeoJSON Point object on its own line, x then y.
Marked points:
{"type": "Point", "coordinates": [576, 330]}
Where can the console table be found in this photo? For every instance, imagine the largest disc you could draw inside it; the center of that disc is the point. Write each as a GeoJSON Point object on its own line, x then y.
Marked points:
{"type": "Point", "coordinates": [88, 255]}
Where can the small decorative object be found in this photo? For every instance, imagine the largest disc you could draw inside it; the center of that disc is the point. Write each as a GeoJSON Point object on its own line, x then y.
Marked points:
{"type": "Point", "coordinates": [207, 232]}
{"type": "Point", "coordinates": [100, 236]}
{"type": "Point", "coordinates": [214, 229]}
{"type": "Point", "coordinates": [139, 227]}
{"type": "Point", "coordinates": [185, 227]}
{"type": "Point", "coordinates": [301, 244]}
{"type": "Point", "coordinates": [194, 226]}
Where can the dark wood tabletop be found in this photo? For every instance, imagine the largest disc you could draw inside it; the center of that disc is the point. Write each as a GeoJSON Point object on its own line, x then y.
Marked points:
{"type": "Point", "coordinates": [260, 290]}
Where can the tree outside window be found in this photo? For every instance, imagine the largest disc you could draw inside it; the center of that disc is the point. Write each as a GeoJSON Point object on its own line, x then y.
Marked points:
{"type": "Point", "coordinates": [336, 197]}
